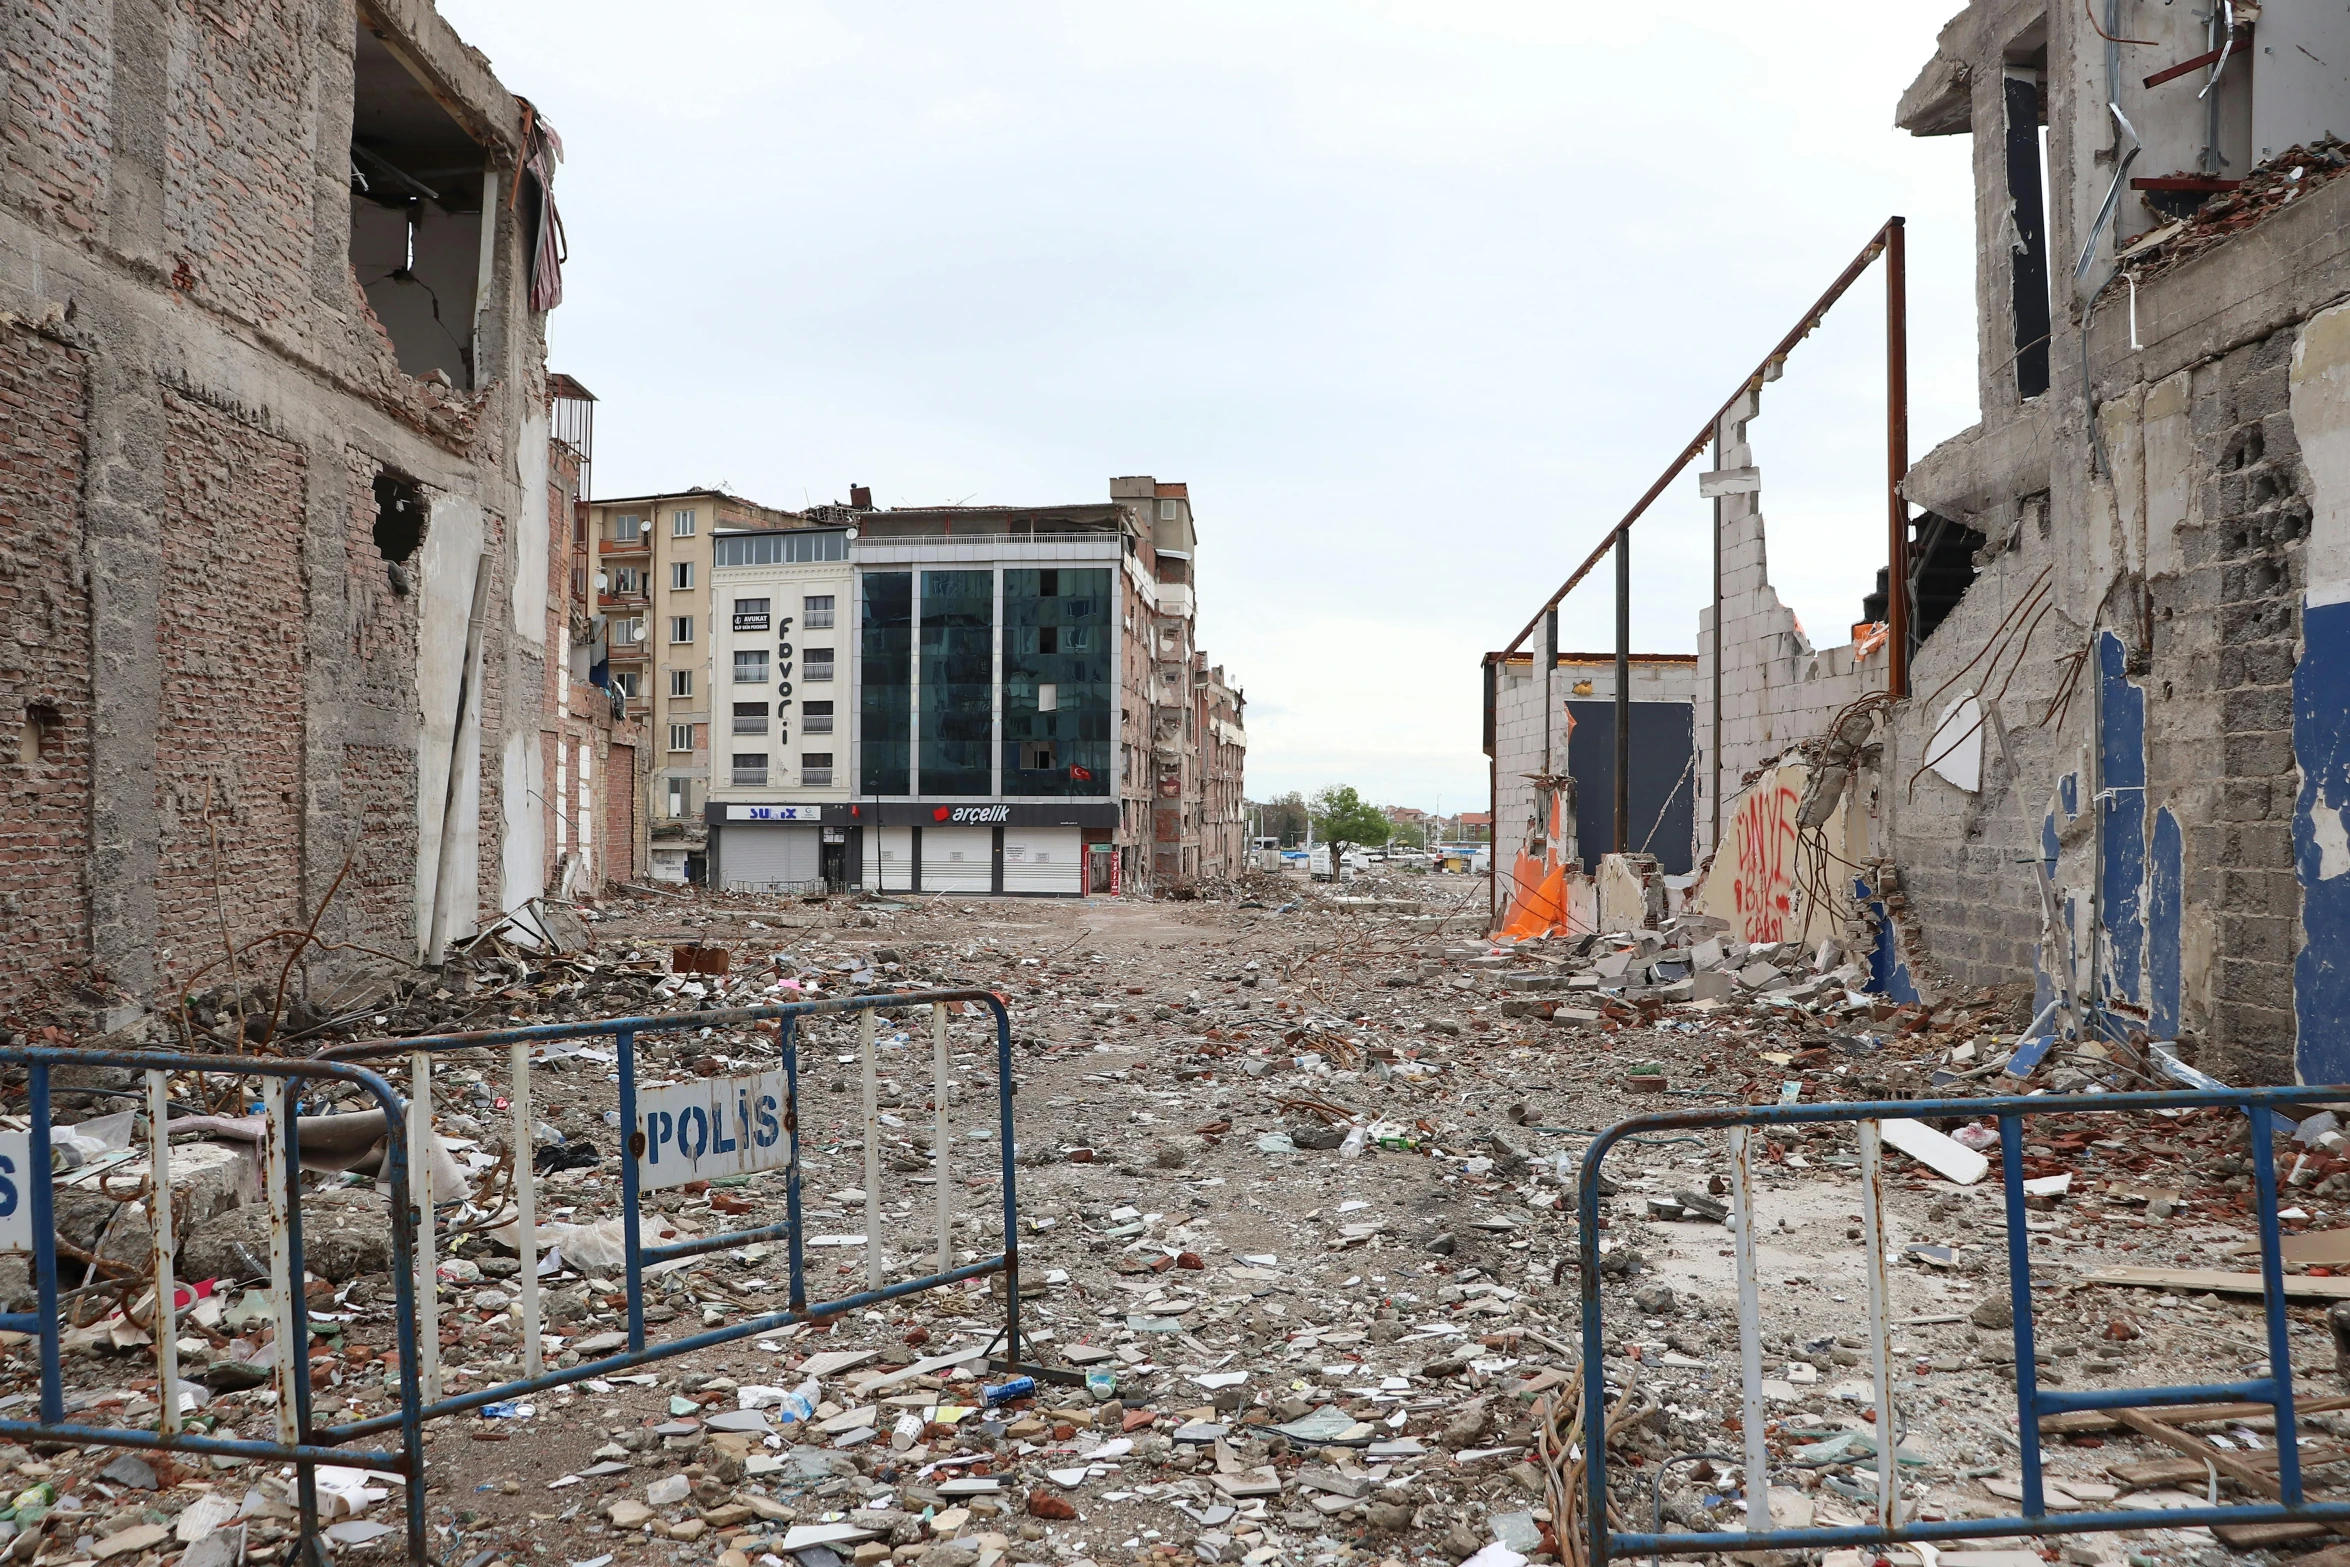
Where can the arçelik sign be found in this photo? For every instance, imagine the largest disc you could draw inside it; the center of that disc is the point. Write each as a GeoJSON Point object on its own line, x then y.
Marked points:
{"type": "Point", "coordinates": [972, 813]}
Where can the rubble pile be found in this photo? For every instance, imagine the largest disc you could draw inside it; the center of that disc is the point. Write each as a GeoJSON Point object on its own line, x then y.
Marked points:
{"type": "Point", "coordinates": [1297, 1171]}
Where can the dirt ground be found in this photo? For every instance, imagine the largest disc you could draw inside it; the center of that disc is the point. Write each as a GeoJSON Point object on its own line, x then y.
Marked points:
{"type": "Point", "coordinates": [1194, 1226]}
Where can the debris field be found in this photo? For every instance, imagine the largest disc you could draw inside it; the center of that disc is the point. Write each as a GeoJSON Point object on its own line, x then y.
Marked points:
{"type": "Point", "coordinates": [1297, 1175]}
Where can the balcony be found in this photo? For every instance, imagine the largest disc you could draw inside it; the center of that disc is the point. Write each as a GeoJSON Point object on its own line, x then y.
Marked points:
{"type": "Point", "coordinates": [640, 545]}
{"type": "Point", "coordinates": [623, 601]}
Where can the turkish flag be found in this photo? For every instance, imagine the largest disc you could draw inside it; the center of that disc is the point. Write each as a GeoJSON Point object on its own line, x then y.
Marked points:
{"type": "Point", "coordinates": [1081, 774]}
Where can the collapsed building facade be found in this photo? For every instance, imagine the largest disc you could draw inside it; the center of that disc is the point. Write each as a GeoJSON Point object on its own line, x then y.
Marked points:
{"type": "Point", "coordinates": [2111, 753]}
{"type": "Point", "coordinates": [289, 562]}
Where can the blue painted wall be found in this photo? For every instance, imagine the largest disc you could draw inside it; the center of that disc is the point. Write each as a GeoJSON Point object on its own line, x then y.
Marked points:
{"type": "Point", "coordinates": [2321, 744]}
{"type": "Point", "coordinates": [2165, 891]}
{"type": "Point", "coordinates": [2121, 821]}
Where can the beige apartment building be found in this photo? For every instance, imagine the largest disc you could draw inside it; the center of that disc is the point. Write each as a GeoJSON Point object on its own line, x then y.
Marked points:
{"type": "Point", "coordinates": [653, 562]}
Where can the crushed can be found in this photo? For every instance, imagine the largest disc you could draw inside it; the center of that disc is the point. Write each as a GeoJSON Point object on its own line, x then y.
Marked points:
{"type": "Point", "coordinates": [1004, 1393]}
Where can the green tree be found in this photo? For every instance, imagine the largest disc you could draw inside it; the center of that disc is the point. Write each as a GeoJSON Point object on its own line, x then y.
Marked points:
{"type": "Point", "coordinates": [1411, 833]}
{"type": "Point", "coordinates": [1343, 817]}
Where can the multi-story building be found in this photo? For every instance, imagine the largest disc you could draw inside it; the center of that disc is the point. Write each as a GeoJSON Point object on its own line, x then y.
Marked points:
{"type": "Point", "coordinates": [968, 699]}
{"type": "Point", "coordinates": [273, 292]}
{"type": "Point", "coordinates": [654, 559]}
{"type": "Point", "coordinates": [590, 753]}
{"type": "Point", "coordinates": [782, 630]}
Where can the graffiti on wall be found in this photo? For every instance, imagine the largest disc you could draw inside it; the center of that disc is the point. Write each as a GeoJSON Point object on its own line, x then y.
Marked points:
{"type": "Point", "coordinates": [1762, 886]}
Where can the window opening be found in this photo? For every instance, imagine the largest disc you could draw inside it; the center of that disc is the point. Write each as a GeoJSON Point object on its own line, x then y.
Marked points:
{"type": "Point", "coordinates": [681, 737]}
{"type": "Point", "coordinates": [750, 718]}
{"type": "Point", "coordinates": [816, 718]}
{"type": "Point", "coordinates": [681, 574]}
{"type": "Point", "coordinates": [417, 188]}
{"type": "Point", "coordinates": [2028, 250]}
{"type": "Point", "coordinates": [681, 682]}
{"type": "Point", "coordinates": [817, 612]}
{"type": "Point", "coordinates": [399, 516]}
{"type": "Point", "coordinates": [816, 769]}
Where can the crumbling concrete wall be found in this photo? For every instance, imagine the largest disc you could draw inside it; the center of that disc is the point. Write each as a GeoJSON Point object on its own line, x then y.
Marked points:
{"type": "Point", "coordinates": [1777, 687]}
{"type": "Point", "coordinates": [231, 659]}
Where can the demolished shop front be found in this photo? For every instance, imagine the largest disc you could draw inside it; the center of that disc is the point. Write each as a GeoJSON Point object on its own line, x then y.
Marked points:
{"type": "Point", "coordinates": [1032, 849]}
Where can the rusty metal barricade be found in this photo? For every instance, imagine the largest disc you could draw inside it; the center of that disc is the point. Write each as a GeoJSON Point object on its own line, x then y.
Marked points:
{"type": "Point", "coordinates": [765, 1114]}
{"type": "Point", "coordinates": [2034, 1402]}
{"type": "Point", "coordinates": [28, 1187]}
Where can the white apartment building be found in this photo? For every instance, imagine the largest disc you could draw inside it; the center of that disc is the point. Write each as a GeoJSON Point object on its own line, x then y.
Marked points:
{"type": "Point", "coordinates": [782, 625]}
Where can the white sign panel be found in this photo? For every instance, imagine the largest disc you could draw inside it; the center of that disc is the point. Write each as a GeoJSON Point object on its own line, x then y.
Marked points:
{"type": "Point", "coordinates": [775, 813]}
{"type": "Point", "coordinates": [713, 1126]}
{"type": "Point", "coordinates": [16, 1209]}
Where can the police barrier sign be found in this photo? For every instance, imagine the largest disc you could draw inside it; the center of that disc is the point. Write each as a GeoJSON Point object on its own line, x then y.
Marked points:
{"type": "Point", "coordinates": [701, 1130]}
{"type": "Point", "coordinates": [16, 1210]}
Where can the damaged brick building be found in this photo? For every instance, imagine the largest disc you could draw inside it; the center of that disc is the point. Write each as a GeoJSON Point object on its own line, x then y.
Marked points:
{"type": "Point", "coordinates": [2128, 686]}
{"type": "Point", "coordinates": [277, 435]}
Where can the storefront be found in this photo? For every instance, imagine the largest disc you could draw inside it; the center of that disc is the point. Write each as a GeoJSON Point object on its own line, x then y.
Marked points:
{"type": "Point", "coordinates": [1032, 850]}
{"type": "Point", "coordinates": [784, 849]}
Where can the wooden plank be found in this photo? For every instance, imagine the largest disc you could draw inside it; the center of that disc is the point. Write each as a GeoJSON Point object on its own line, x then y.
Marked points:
{"type": "Point", "coordinates": [2179, 1471]}
{"type": "Point", "coordinates": [2230, 1464]}
{"type": "Point", "coordinates": [2190, 1414]}
{"type": "Point", "coordinates": [2297, 1286]}
{"type": "Point", "coordinates": [2258, 1536]}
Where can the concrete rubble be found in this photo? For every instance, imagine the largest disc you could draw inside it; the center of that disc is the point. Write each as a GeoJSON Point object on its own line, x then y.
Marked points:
{"type": "Point", "coordinates": [1297, 1176]}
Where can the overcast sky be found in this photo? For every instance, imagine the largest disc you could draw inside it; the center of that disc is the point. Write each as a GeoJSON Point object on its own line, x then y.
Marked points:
{"type": "Point", "coordinates": [1417, 298]}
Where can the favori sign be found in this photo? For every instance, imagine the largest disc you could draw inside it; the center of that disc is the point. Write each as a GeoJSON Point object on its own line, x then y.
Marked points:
{"type": "Point", "coordinates": [710, 1127]}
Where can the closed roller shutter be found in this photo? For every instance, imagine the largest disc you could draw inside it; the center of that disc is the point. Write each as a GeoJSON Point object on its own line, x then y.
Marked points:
{"type": "Point", "coordinates": [889, 859]}
{"type": "Point", "coordinates": [767, 859]}
{"type": "Point", "coordinates": [958, 859]}
{"type": "Point", "coordinates": [1044, 859]}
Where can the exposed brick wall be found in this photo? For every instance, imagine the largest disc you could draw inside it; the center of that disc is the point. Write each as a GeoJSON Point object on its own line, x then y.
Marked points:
{"type": "Point", "coordinates": [238, 204]}
{"type": "Point", "coordinates": [230, 632]}
{"type": "Point", "coordinates": [379, 775]}
{"type": "Point", "coordinates": [379, 800]}
{"type": "Point", "coordinates": [54, 124]}
{"type": "Point", "coordinates": [2241, 579]}
{"type": "Point", "coordinates": [44, 667]}
{"type": "Point", "coordinates": [620, 810]}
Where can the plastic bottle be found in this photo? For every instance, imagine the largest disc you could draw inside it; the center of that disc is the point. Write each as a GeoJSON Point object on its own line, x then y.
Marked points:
{"type": "Point", "coordinates": [1352, 1148]}
{"type": "Point", "coordinates": [800, 1403]}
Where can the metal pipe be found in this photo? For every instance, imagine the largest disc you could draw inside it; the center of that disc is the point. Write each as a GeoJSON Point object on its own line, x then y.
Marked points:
{"type": "Point", "coordinates": [1714, 844]}
{"type": "Point", "coordinates": [1758, 1452]}
{"type": "Point", "coordinates": [874, 1261]}
{"type": "Point", "coordinates": [165, 1316]}
{"type": "Point", "coordinates": [1006, 1147]}
{"type": "Point", "coordinates": [526, 1207]}
{"type": "Point", "coordinates": [289, 1313]}
{"type": "Point", "coordinates": [1623, 690]}
{"type": "Point", "coordinates": [2272, 1297]}
{"type": "Point", "coordinates": [428, 1269]}
{"type": "Point", "coordinates": [1785, 346]}
{"type": "Point", "coordinates": [943, 1081]}
{"type": "Point", "coordinates": [795, 1244]}
{"type": "Point", "coordinates": [288, 1137]}
{"type": "Point", "coordinates": [1872, 1215]}
{"type": "Point", "coordinates": [44, 1217]}
{"type": "Point", "coordinates": [2019, 1294]}
{"type": "Point", "coordinates": [1897, 606]}
{"type": "Point", "coordinates": [632, 1240]}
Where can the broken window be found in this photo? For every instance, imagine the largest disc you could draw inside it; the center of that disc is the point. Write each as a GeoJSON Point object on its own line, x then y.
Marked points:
{"type": "Point", "coordinates": [399, 516]}
{"type": "Point", "coordinates": [421, 193]}
{"type": "Point", "coordinates": [2028, 232]}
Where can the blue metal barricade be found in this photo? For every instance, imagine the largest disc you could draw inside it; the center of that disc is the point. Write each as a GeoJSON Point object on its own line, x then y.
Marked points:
{"type": "Point", "coordinates": [647, 1130]}
{"type": "Point", "coordinates": [2034, 1402]}
{"type": "Point", "coordinates": [28, 1223]}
